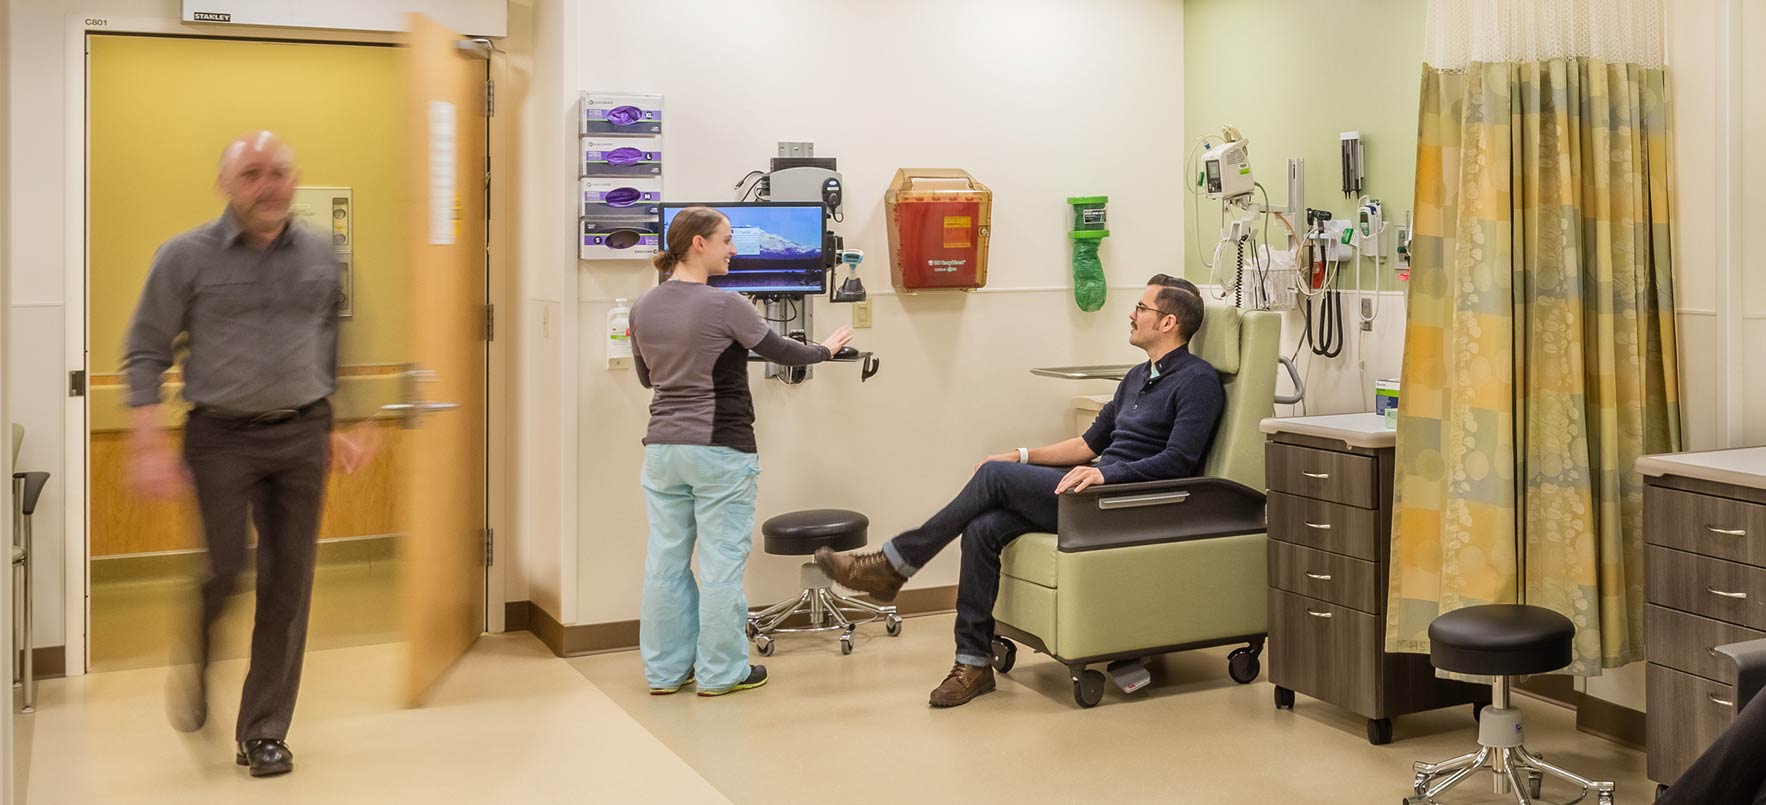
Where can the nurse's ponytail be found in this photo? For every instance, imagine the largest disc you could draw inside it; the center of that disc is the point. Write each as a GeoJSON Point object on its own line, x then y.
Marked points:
{"type": "Point", "coordinates": [687, 224]}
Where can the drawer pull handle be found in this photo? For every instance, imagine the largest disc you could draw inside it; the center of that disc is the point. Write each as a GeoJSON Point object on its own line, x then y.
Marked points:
{"type": "Point", "coordinates": [1319, 526]}
{"type": "Point", "coordinates": [1319, 614]}
{"type": "Point", "coordinates": [1317, 475]}
{"type": "Point", "coordinates": [1728, 532]}
{"type": "Point", "coordinates": [1717, 701]}
{"type": "Point", "coordinates": [1737, 596]}
{"type": "Point", "coordinates": [1319, 576]}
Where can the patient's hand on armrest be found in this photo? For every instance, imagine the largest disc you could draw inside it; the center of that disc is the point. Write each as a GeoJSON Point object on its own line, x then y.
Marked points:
{"type": "Point", "coordinates": [1079, 478]}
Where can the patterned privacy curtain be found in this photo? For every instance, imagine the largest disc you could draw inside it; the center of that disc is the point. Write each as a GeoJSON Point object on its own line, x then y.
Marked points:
{"type": "Point", "coordinates": [1540, 350]}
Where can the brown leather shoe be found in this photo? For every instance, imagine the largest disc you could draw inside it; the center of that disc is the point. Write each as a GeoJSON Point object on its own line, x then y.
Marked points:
{"type": "Point", "coordinates": [964, 683]}
{"type": "Point", "coordinates": [865, 572]}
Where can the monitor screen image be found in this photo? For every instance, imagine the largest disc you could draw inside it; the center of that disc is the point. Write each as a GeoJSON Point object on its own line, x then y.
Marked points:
{"type": "Point", "coordinates": [778, 246]}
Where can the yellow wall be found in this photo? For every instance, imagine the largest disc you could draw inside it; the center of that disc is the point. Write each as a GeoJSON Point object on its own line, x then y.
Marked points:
{"type": "Point", "coordinates": [162, 110]}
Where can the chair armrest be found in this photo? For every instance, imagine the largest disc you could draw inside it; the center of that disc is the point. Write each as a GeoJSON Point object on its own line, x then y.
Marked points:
{"type": "Point", "coordinates": [1154, 512]}
{"type": "Point", "coordinates": [34, 482]}
{"type": "Point", "coordinates": [1750, 669]}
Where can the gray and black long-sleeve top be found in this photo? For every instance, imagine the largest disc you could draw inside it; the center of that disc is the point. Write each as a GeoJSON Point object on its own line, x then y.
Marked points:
{"type": "Point", "coordinates": [690, 343]}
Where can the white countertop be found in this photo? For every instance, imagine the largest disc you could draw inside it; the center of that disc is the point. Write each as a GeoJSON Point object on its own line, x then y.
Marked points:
{"type": "Point", "coordinates": [1356, 430]}
{"type": "Point", "coordinates": [1744, 466]}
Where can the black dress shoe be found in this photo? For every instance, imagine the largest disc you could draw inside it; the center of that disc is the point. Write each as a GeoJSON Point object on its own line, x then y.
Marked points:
{"type": "Point", "coordinates": [267, 757]}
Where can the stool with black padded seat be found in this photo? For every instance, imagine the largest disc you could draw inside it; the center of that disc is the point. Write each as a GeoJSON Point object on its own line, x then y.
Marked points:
{"type": "Point", "coordinates": [1500, 641]}
{"type": "Point", "coordinates": [800, 533]}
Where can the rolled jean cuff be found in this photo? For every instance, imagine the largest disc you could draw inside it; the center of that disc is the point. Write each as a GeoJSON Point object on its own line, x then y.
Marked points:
{"type": "Point", "coordinates": [895, 559]}
{"type": "Point", "coordinates": [965, 658]}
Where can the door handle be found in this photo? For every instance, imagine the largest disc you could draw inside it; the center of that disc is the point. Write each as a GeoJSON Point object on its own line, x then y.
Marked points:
{"type": "Point", "coordinates": [1319, 526]}
{"type": "Point", "coordinates": [412, 408]}
{"type": "Point", "coordinates": [1319, 576]}
{"type": "Point", "coordinates": [1717, 701]}
{"type": "Point", "coordinates": [1325, 615]}
{"type": "Point", "coordinates": [1737, 596]}
{"type": "Point", "coordinates": [1728, 532]}
{"type": "Point", "coordinates": [1318, 475]}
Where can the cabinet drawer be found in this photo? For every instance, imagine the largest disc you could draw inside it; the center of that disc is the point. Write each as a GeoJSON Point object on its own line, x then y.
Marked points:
{"type": "Point", "coordinates": [1321, 474]}
{"type": "Point", "coordinates": [1685, 715]}
{"type": "Point", "coordinates": [1327, 651]}
{"type": "Point", "coordinates": [1325, 526]}
{"type": "Point", "coordinates": [1328, 577]}
{"type": "Point", "coordinates": [1684, 642]}
{"type": "Point", "coordinates": [1705, 524]}
{"type": "Point", "coordinates": [1700, 585]}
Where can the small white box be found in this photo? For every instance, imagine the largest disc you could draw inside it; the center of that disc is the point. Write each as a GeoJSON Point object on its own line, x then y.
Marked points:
{"type": "Point", "coordinates": [619, 114]}
{"type": "Point", "coordinates": [622, 198]}
{"type": "Point", "coordinates": [621, 157]}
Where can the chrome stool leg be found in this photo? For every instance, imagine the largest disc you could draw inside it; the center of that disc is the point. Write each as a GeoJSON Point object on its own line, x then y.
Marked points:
{"type": "Point", "coordinates": [1516, 770]}
{"type": "Point", "coordinates": [825, 609]}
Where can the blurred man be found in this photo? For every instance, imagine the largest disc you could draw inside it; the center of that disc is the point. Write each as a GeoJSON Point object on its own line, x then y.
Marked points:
{"type": "Point", "coordinates": [257, 303]}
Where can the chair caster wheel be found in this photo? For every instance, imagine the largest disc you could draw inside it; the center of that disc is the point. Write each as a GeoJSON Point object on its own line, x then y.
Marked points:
{"type": "Point", "coordinates": [1535, 782]}
{"type": "Point", "coordinates": [1005, 654]}
{"type": "Point", "coordinates": [1606, 798]}
{"type": "Point", "coordinates": [764, 645]}
{"type": "Point", "coordinates": [892, 625]}
{"type": "Point", "coordinates": [1416, 800]}
{"type": "Point", "coordinates": [846, 643]}
{"type": "Point", "coordinates": [1088, 688]}
{"type": "Point", "coordinates": [751, 629]}
{"type": "Point", "coordinates": [1284, 698]}
{"type": "Point", "coordinates": [1242, 666]}
{"type": "Point", "coordinates": [1379, 731]}
{"type": "Point", "coordinates": [1420, 785]}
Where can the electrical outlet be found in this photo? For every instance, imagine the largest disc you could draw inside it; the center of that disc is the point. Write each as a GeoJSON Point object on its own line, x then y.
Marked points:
{"type": "Point", "coordinates": [861, 315]}
{"type": "Point", "coordinates": [1367, 313]}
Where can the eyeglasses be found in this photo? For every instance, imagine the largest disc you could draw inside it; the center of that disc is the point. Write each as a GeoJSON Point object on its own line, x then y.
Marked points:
{"type": "Point", "coordinates": [1140, 308]}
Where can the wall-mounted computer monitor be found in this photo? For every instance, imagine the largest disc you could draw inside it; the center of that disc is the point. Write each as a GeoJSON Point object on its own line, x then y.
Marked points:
{"type": "Point", "coordinates": [778, 246]}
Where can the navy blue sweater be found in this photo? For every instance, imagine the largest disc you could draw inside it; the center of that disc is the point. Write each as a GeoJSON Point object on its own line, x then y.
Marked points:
{"type": "Point", "coordinates": [1159, 428]}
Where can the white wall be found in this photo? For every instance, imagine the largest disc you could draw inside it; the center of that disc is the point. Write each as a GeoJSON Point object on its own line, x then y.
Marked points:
{"type": "Point", "coordinates": [543, 257]}
{"type": "Point", "coordinates": [991, 88]}
{"type": "Point", "coordinates": [8, 772]}
{"type": "Point", "coordinates": [36, 365]}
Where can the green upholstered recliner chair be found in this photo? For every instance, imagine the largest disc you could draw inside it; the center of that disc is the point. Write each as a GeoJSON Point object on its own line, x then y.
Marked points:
{"type": "Point", "coordinates": [1143, 569]}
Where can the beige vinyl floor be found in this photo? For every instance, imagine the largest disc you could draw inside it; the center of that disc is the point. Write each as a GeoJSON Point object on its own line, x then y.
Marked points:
{"type": "Point", "coordinates": [513, 724]}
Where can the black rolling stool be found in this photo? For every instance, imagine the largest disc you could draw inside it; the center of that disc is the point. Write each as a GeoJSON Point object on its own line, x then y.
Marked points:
{"type": "Point", "coordinates": [800, 534]}
{"type": "Point", "coordinates": [1500, 641]}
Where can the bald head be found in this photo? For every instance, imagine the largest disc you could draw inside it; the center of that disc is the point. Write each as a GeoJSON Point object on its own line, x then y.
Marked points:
{"type": "Point", "coordinates": [258, 176]}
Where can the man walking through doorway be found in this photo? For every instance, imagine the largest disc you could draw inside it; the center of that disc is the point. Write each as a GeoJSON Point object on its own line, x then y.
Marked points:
{"type": "Point", "coordinates": [256, 302]}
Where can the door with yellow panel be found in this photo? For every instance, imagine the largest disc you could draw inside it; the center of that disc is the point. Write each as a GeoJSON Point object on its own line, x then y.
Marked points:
{"type": "Point", "coordinates": [161, 109]}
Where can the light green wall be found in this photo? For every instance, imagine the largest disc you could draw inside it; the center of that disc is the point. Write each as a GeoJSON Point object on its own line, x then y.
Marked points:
{"type": "Point", "coordinates": [1292, 76]}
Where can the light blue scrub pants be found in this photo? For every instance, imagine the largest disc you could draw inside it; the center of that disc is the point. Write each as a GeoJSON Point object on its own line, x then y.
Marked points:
{"type": "Point", "coordinates": [700, 494]}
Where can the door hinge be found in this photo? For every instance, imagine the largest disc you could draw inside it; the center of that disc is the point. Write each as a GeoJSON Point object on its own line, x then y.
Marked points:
{"type": "Point", "coordinates": [490, 322]}
{"type": "Point", "coordinates": [490, 541]}
{"type": "Point", "coordinates": [490, 98]}
{"type": "Point", "coordinates": [76, 383]}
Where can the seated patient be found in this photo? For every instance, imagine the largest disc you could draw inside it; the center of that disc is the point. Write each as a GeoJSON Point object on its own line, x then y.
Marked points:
{"type": "Point", "coordinates": [1158, 427]}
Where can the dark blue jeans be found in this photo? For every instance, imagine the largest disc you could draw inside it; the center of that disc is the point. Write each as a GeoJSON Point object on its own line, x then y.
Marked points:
{"type": "Point", "coordinates": [1001, 503]}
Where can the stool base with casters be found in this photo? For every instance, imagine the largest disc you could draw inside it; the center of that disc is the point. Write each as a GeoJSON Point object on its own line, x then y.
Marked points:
{"type": "Point", "coordinates": [1500, 641]}
{"type": "Point", "coordinates": [800, 534]}
{"type": "Point", "coordinates": [827, 610]}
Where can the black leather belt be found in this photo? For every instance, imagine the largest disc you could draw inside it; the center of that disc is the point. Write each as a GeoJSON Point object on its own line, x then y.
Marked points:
{"type": "Point", "coordinates": [276, 416]}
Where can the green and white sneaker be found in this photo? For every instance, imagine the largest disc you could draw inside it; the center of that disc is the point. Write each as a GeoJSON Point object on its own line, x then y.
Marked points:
{"type": "Point", "coordinates": [756, 678]}
{"type": "Point", "coordinates": [675, 688]}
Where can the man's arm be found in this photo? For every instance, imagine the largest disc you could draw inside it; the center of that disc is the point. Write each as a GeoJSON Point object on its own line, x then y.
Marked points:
{"type": "Point", "coordinates": [1197, 409]}
{"type": "Point", "coordinates": [147, 354]}
{"type": "Point", "coordinates": [1060, 454]}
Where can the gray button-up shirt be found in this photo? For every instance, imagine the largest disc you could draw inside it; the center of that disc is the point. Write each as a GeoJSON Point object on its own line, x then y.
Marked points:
{"type": "Point", "coordinates": [261, 325]}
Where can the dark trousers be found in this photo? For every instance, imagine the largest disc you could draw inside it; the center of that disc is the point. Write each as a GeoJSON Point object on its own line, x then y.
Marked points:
{"type": "Point", "coordinates": [1001, 503]}
{"type": "Point", "coordinates": [277, 474]}
{"type": "Point", "coordinates": [1732, 771]}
